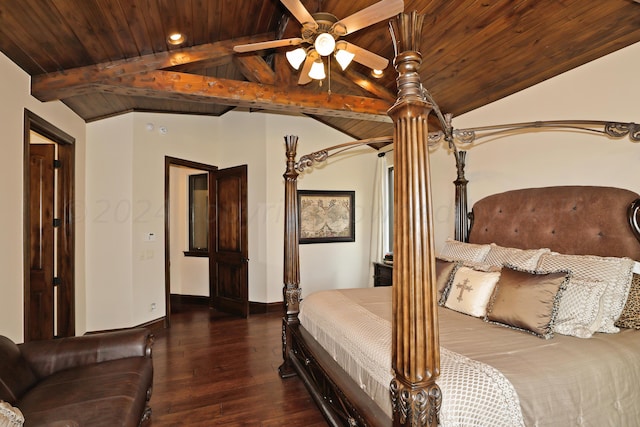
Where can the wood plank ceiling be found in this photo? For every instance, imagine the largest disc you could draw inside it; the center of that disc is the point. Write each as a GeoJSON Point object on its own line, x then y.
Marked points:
{"type": "Point", "coordinates": [108, 57]}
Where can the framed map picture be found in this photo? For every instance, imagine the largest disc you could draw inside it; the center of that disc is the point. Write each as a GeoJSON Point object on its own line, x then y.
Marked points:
{"type": "Point", "coordinates": [326, 216]}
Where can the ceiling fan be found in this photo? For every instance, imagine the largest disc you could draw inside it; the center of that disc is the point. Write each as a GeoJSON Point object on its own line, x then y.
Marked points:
{"type": "Point", "coordinates": [322, 32]}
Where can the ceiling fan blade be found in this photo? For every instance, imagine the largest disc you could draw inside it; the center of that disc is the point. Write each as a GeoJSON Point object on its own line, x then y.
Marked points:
{"type": "Point", "coordinates": [377, 12]}
{"type": "Point", "coordinates": [300, 12]}
{"type": "Point", "coordinates": [366, 57]}
{"type": "Point", "coordinates": [304, 73]}
{"type": "Point", "coordinates": [267, 45]}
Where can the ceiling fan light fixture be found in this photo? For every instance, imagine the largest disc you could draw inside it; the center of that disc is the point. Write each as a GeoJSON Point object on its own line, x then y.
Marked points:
{"type": "Point", "coordinates": [325, 44]}
{"type": "Point", "coordinates": [320, 37]}
{"type": "Point", "coordinates": [377, 73]}
{"type": "Point", "coordinates": [296, 57]}
{"type": "Point", "coordinates": [317, 70]}
{"type": "Point", "coordinates": [344, 58]}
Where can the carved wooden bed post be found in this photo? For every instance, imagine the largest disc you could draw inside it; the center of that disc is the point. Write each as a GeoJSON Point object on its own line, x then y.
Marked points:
{"type": "Point", "coordinates": [462, 220]}
{"type": "Point", "coordinates": [291, 273]}
{"type": "Point", "coordinates": [416, 349]}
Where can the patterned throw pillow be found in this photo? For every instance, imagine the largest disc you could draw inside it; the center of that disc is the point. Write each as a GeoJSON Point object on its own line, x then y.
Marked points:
{"type": "Point", "coordinates": [630, 317]}
{"type": "Point", "coordinates": [470, 290]}
{"type": "Point", "coordinates": [454, 250]}
{"type": "Point", "coordinates": [603, 284]}
{"type": "Point", "coordinates": [524, 259]}
{"type": "Point", "coordinates": [10, 416]}
{"type": "Point", "coordinates": [526, 300]}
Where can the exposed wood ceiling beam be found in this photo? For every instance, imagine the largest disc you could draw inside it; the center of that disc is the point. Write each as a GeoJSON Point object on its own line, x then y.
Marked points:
{"type": "Point", "coordinates": [142, 76]}
{"type": "Point", "coordinates": [63, 84]}
{"type": "Point", "coordinates": [255, 69]}
{"type": "Point", "coordinates": [197, 67]}
{"type": "Point", "coordinates": [172, 85]}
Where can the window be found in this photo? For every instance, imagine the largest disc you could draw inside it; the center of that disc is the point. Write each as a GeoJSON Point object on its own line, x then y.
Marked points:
{"type": "Point", "coordinates": [198, 215]}
{"type": "Point", "coordinates": [382, 214]}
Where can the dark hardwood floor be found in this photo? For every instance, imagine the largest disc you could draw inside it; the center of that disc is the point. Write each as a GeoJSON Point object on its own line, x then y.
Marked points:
{"type": "Point", "coordinates": [211, 369]}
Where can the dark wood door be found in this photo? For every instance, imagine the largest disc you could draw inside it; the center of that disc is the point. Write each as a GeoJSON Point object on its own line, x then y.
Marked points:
{"type": "Point", "coordinates": [65, 243]}
{"type": "Point", "coordinates": [49, 239]}
{"type": "Point", "coordinates": [229, 273]}
{"type": "Point", "coordinates": [41, 245]}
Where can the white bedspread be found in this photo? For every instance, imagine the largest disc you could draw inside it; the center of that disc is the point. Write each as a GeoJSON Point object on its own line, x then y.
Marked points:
{"type": "Point", "coordinates": [473, 393]}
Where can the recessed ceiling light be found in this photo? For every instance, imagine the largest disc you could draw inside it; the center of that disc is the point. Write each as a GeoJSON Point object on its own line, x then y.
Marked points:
{"type": "Point", "coordinates": [176, 38]}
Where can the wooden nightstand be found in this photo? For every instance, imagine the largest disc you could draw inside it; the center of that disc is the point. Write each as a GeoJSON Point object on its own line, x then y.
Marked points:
{"type": "Point", "coordinates": [382, 274]}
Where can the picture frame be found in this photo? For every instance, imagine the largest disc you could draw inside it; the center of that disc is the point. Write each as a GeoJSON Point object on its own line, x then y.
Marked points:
{"type": "Point", "coordinates": [326, 216]}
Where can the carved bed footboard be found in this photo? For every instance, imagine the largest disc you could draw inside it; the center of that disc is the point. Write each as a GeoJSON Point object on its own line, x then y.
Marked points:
{"type": "Point", "coordinates": [339, 398]}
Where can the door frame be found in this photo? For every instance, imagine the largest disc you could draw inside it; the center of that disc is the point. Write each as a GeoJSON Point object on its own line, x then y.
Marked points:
{"type": "Point", "coordinates": [35, 123]}
{"type": "Point", "coordinates": [168, 163]}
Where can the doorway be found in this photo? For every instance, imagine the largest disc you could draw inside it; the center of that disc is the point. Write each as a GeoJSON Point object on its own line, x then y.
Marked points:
{"type": "Point", "coordinates": [225, 220]}
{"type": "Point", "coordinates": [49, 221]}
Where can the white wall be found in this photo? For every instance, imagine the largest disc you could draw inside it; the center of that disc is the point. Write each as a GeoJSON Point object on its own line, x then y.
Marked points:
{"type": "Point", "coordinates": [130, 205]}
{"type": "Point", "coordinates": [14, 99]}
{"type": "Point", "coordinates": [128, 155]}
{"type": "Point", "coordinates": [109, 224]}
{"type": "Point", "coordinates": [604, 89]}
{"type": "Point", "coordinates": [322, 265]}
{"type": "Point", "coordinates": [189, 274]}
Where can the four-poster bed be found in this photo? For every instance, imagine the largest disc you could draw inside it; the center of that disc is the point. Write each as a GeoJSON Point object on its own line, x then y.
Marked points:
{"type": "Point", "coordinates": [426, 377]}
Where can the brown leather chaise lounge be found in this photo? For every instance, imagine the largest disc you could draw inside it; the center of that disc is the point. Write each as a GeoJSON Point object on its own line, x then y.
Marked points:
{"type": "Point", "coordinates": [101, 379]}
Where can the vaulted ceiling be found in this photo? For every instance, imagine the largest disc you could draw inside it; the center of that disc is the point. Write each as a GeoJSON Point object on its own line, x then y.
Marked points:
{"type": "Point", "coordinates": [107, 57]}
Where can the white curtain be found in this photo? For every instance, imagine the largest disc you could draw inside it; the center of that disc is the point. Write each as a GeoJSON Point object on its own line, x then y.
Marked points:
{"type": "Point", "coordinates": [379, 238]}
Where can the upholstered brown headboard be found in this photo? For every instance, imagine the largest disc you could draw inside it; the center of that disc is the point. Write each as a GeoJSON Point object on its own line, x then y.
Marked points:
{"type": "Point", "coordinates": [581, 220]}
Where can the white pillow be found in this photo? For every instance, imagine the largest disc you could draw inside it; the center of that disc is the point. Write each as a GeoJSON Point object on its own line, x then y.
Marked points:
{"type": "Point", "coordinates": [454, 250]}
{"type": "Point", "coordinates": [524, 259]}
{"type": "Point", "coordinates": [579, 312]}
{"type": "Point", "coordinates": [470, 290]}
{"type": "Point", "coordinates": [616, 273]}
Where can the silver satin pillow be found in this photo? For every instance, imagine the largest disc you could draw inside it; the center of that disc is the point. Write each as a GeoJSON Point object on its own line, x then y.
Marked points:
{"type": "Point", "coordinates": [527, 301]}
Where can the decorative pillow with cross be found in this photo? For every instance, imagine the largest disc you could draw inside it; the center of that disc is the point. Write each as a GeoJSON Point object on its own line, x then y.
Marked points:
{"type": "Point", "coordinates": [470, 291]}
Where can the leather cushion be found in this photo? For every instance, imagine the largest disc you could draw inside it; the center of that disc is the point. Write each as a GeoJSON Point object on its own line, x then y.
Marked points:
{"type": "Point", "coordinates": [15, 375]}
{"type": "Point", "coordinates": [578, 220]}
{"type": "Point", "coordinates": [102, 394]}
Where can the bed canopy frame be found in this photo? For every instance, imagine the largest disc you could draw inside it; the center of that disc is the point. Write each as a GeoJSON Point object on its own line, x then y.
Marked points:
{"type": "Point", "coordinates": [415, 395]}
